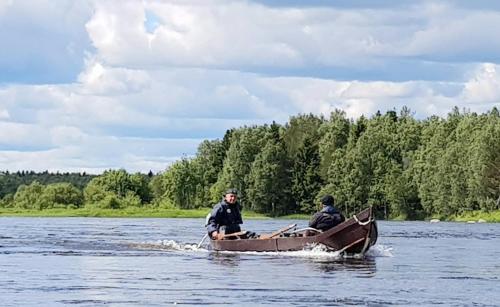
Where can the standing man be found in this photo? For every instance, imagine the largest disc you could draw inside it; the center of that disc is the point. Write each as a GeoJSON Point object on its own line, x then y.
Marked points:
{"type": "Point", "coordinates": [226, 213]}
{"type": "Point", "coordinates": [328, 217]}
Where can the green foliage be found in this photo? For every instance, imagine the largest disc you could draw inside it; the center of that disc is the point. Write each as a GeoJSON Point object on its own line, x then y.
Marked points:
{"type": "Point", "coordinates": [9, 182]}
{"type": "Point", "coordinates": [95, 192]}
{"type": "Point", "coordinates": [208, 165]}
{"type": "Point", "coordinates": [180, 184]}
{"type": "Point", "coordinates": [28, 196]}
{"type": "Point", "coordinates": [301, 127]}
{"type": "Point", "coordinates": [484, 180]}
{"type": "Point", "coordinates": [92, 211]}
{"type": "Point", "coordinates": [404, 167]}
{"type": "Point", "coordinates": [157, 188]}
{"type": "Point", "coordinates": [477, 215]}
{"type": "Point", "coordinates": [245, 144]}
{"type": "Point", "coordinates": [306, 181]}
{"type": "Point", "coordinates": [458, 164]}
{"type": "Point", "coordinates": [56, 195]}
{"type": "Point", "coordinates": [269, 179]}
{"type": "Point", "coordinates": [61, 195]}
{"type": "Point", "coordinates": [7, 201]}
{"type": "Point", "coordinates": [116, 189]}
{"type": "Point", "coordinates": [334, 137]}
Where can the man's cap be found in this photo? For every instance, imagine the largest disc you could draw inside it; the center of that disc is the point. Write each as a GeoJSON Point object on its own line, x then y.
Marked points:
{"type": "Point", "coordinates": [231, 191]}
{"type": "Point", "coordinates": [327, 200]}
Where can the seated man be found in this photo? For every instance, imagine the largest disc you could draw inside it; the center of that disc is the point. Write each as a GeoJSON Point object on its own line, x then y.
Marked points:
{"type": "Point", "coordinates": [328, 217]}
{"type": "Point", "coordinates": [227, 214]}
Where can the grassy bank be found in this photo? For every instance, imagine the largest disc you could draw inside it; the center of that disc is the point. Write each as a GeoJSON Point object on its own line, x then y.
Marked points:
{"type": "Point", "coordinates": [492, 217]}
{"type": "Point", "coordinates": [476, 216]}
{"type": "Point", "coordinates": [127, 212]}
{"type": "Point", "coordinates": [295, 217]}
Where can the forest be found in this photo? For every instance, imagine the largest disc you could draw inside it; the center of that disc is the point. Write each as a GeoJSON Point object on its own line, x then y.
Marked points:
{"type": "Point", "coordinates": [404, 167]}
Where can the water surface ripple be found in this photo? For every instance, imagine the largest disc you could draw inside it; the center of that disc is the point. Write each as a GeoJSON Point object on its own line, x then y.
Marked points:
{"type": "Point", "coordinates": [156, 262]}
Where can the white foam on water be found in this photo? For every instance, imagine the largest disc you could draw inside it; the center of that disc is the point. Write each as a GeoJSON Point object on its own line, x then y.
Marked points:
{"type": "Point", "coordinates": [170, 245]}
{"type": "Point", "coordinates": [322, 252]}
{"type": "Point", "coordinates": [314, 251]}
{"type": "Point", "coordinates": [379, 250]}
{"type": "Point", "coordinates": [173, 245]}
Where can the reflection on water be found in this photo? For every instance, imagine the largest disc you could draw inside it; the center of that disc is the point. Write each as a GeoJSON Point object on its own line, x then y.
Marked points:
{"type": "Point", "coordinates": [366, 267]}
{"type": "Point", "coordinates": [224, 259]}
{"type": "Point", "coordinates": [334, 263]}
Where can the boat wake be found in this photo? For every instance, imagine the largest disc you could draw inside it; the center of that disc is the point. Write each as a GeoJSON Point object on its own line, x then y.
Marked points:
{"type": "Point", "coordinates": [315, 251]}
{"type": "Point", "coordinates": [322, 252]}
{"type": "Point", "coordinates": [169, 245]}
{"type": "Point", "coordinates": [379, 250]}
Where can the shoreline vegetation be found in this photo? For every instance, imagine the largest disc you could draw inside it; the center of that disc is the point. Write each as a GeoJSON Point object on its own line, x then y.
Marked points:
{"type": "Point", "coordinates": [131, 212]}
{"type": "Point", "coordinates": [405, 168]}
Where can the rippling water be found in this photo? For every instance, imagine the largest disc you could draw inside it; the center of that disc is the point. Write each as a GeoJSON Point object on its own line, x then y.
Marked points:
{"type": "Point", "coordinates": [156, 262]}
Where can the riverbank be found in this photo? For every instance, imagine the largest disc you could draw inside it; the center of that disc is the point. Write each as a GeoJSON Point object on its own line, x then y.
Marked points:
{"type": "Point", "coordinates": [126, 212]}
{"type": "Point", "coordinates": [133, 212]}
{"type": "Point", "coordinates": [479, 216]}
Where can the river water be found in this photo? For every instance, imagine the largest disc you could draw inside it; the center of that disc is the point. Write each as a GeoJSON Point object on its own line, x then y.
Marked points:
{"type": "Point", "coordinates": [156, 262]}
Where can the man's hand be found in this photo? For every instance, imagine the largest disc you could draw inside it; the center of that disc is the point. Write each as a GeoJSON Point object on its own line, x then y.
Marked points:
{"type": "Point", "coordinates": [217, 236]}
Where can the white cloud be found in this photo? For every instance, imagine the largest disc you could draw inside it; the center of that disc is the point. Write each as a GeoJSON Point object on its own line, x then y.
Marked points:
{"type": "Point", "coordinates": [4, 6]}
{"type": "Point", "coordinates": [232, 34]}
{"type": "Point", "coordinates": [227, 34]}
{"type": "Point", "coordinates": [23, 135]}
{"type": "Point", "coordinates": [95, 154]}
{"type": "Point", "coordinates": [98, 80]}
{"type": "Point", "coordinates": [484, 86]}
{"type": "Point", "coordinates": [4, 114]}
{"type": "Point", "coordinates": [67, 135]}
{"type": "Point", "coordinates": [151, 90]}
{"type": "Point", "coordinates": [87, 126]}
{"type": "Point", "coordinates": [365, 98]}
{"type": "Point", "coordinates": [455, 33]}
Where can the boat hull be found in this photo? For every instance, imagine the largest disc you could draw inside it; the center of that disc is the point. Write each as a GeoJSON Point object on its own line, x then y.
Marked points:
{"type": "Point", "coordinates": [355, 235]}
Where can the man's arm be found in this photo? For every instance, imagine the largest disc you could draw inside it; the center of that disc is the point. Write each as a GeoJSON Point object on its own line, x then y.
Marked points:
{"type": "Point", "coordinates": [240, 219]}
{"type": "Point", "coordinates": [313, 223]}
{"type": "Point", "coordinates": [213, 225]}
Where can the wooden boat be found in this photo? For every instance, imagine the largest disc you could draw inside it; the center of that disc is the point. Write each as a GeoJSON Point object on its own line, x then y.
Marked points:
{"type": "Point", "coordinates": [354, 236]}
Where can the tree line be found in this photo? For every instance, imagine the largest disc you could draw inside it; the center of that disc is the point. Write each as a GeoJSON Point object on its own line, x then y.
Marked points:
{"type": "Point", "coordinates": [9, 182]}
{"type": "Point", "coordinates": [403, 167]}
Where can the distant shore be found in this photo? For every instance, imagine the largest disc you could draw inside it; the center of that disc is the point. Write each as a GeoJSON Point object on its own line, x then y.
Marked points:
{"type": "Point", "coordinates": [131, 212]}
{"type": "Point", "coordinates": [479, 216]}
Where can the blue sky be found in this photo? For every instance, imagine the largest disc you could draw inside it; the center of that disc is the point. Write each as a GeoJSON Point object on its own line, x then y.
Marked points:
{"type": "Point", "coordinates": [93, 85]}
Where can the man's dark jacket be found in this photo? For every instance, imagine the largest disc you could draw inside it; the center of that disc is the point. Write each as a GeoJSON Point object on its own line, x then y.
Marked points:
{"type": "Point", "coordinates": [224, 214]}
{"type": "Point", "coordinates": [326, 218]}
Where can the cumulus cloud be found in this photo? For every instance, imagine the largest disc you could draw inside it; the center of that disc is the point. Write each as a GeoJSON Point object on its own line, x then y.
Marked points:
{"type": "Point", "coordinates": [452, 34]}
{"type": "Point", "coordinates": [139, 84]}
{"type": "Point", "coordinates": [231, 34]}
{"type": "Point", "coordinates": [23, 136]}
{"type": "Point", "coordinates": [96, 128]}
{"type": "Point", "coordinates": [234, 34]}
{"type": "Point", "coordinates": [484, 86]}
{"type": "Point", "coordinates": [94, 154]}
{"type": "Point", "coordinates": [98, 80]}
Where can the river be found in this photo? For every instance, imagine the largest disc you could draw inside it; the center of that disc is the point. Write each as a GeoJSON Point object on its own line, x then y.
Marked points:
{"type": "Point", "coordinates": [156, 262]}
